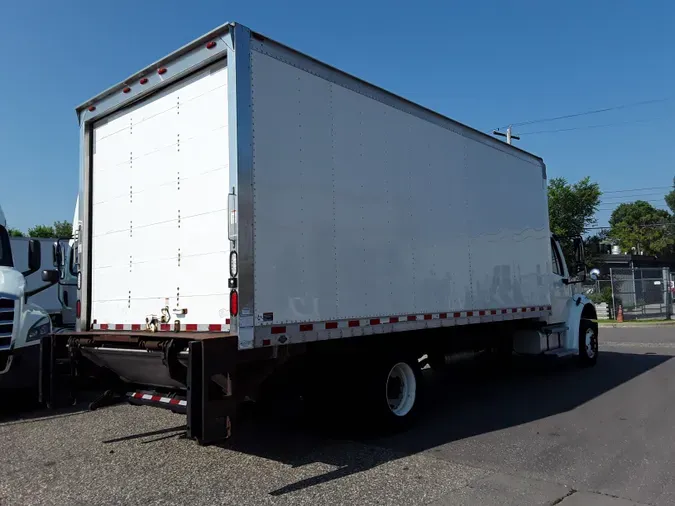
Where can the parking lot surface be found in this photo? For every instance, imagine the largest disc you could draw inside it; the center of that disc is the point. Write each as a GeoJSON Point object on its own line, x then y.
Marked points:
{"type": "Point", "coordinates": [538, 434]}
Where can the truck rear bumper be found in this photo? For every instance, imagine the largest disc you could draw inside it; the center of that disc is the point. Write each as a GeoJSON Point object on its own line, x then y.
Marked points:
{"type": "Point", "coordinates": [20, 367]}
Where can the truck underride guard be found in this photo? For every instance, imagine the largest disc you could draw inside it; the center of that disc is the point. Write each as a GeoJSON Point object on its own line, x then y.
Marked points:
{"type": "Point", "coordinates": [184, 375]}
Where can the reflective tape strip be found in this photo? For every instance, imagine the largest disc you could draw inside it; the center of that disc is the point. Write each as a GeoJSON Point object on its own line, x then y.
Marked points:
{"type": "Point", "coordinates": [165, 327]}
{"type": "Point", "coordinates": [281, 334]}
{"type": "Point", "coordinates": [158, 398]}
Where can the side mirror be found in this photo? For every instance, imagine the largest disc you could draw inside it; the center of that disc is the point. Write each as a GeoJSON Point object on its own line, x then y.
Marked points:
{"type": "Point", "coordinates": [34, 257]}
{"type": "Point", "coordinates": [581, 272]}
{"type": "Point", "coordinates": [57, 255]}
{"type": "Point", "coordinates": [50, 276]}
{"type": "Point", "coordinates": [578, 250]}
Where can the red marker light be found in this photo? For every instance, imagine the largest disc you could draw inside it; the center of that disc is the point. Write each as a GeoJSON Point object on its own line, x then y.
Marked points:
{"type": "Point", "coordinates": [78, 309]}
{"type": "Point", "coordinates": [126, 90]}
{"type": "Point", "coordinates": [211, 44]}
{"type": "Point", "coordinates": [234, 303]}
{"type": "Point", "coordinates": [92, 107]}
{"type": "Point", "coordinates": [144, 80]}
{"type": "Point", "coordinates": [161, 71]}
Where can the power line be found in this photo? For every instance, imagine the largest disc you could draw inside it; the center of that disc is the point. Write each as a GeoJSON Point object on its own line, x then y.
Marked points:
{"type": "Point", "coordinates": [638, 196]}
{"type": "Point", "coordinates": [669, 187]}
{"type": "Point", "coordinates": [586, 113]}
{"type": "Point", "coordinates": [590, 127]}
{"type": "Point", "coordinates": [651, 225]}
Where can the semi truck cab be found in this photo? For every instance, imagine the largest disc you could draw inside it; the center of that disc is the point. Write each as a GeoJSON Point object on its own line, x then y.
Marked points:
{"type": "Point", "coordinates": [22, 324]}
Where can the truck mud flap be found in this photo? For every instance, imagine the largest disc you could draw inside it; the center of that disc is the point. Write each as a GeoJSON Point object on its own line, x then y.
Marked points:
{"type": "Point", "coordinates": [211, 404]}
{"type": "Point", "coordinates": [57, 376]}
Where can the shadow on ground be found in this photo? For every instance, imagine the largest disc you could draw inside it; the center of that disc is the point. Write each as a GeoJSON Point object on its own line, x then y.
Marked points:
{"type": "Point", "coordinates": [22, 406]}
{"type": "Point", "coordinates": [464, 401]}
{"type": "Point", "coordinates": [468, 399]}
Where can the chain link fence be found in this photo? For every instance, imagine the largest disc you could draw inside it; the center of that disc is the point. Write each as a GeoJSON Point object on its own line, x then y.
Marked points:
{"type": "Point", "coordinates": [642, 293]}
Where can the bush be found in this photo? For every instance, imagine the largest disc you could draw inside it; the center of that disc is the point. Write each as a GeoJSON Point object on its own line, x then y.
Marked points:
{"type": "Point", "coordinates": [605, 296]}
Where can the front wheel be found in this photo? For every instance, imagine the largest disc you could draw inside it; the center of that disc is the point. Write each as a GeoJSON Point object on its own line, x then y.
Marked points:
{"type": "Point", "coordinates": [588, 343]}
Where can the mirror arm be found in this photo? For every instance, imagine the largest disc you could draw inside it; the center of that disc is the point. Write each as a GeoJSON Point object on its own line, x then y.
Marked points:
{"type": "Point", "coordinates": [30, 293]}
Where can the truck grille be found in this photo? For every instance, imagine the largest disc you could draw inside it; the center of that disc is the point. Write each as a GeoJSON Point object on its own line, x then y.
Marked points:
{"type": "Point", "coordinates": [6, 322]}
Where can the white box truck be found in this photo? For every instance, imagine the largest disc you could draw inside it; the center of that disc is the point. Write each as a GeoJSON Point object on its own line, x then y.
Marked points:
{"type": "Point", "coordinates": [246, 209]}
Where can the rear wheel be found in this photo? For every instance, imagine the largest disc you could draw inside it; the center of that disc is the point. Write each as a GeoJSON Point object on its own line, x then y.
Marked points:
{"type": "Point", "coordinates": [588, 343]}
{"type": "Point", "coordinates": [393, 391]}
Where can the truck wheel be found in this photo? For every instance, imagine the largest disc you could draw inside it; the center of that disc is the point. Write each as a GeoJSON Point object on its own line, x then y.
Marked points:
{"type": "Point", "coordinates": [588, 343]}
{"type": "Point", "coordinates": [394, 392]}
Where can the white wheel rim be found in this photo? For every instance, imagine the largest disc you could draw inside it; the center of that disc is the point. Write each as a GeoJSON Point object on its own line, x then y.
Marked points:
{"type": "Point", "coordinates": [590, 350]}
{"type": "Point", "coordinates": [401, 389]}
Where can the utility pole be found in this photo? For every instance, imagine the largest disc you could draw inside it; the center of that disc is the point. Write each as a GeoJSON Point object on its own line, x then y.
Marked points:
{"type": "Point", "coordinates": [508, 135]}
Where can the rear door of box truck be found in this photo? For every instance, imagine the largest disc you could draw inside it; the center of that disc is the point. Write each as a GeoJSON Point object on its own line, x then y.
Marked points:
{"type": "Point", "coordinates": [160, 181]}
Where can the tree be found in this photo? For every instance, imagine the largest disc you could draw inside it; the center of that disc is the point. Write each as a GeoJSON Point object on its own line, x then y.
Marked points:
{"type": "Point", "coordinates": [60, 229]}
{"type": "Point", "coordinates": [63, 229]}
{"type": "Point", "coordinates": [670, 198]}
{"type": "Point", "coordinates": [640, 227]}
{"type": "Point", "coordinates": [572, 207]}
{"type": "Point", "coordinates": [41, 231]}
{"type": "Point", "coordinates": [15, 232]}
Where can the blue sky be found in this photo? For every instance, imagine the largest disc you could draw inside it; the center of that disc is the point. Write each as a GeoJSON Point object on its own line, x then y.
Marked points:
{"type": "Point", "coordinates": [487, 64]}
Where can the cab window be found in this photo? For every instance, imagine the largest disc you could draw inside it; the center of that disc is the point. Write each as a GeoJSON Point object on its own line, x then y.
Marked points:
{"type": "Point", "coordinates": [555, 260]}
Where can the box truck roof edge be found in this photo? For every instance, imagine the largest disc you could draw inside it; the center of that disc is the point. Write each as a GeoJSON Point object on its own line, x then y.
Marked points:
{"type": "Point", "coordinates": [224, 29]}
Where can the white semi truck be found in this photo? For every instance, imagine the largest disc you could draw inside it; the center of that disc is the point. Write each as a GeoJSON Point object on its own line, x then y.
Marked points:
{"type": "Point", "coordinates": [59, 299]}
{"type": "Point", "coordinates": [248, 210]}
{"type": "Point", "coordinates": [23, 323]}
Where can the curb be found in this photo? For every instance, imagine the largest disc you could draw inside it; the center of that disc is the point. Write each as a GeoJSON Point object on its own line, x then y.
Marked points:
{"type": "Point", "coordinates": [635, 325]}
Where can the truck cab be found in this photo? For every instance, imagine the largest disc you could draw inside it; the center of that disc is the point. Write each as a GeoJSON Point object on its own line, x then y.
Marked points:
{"type": "Point", "coordinates": [571, 327]}
{"type": "Point", "coordinates": [22, 324]}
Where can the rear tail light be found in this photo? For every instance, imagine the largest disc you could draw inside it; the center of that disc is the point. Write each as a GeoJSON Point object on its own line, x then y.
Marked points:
{"type": "Point", "coordinates": [78, 308]}
{"type": "Point", "coordinates": [234, 303]}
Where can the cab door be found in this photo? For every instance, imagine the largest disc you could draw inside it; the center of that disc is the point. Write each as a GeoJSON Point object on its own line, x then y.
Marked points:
{"type": "Point", "coordinates": [561, 292]}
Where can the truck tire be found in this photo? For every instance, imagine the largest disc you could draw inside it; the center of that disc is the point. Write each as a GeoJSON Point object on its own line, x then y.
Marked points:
{"type": "Point", "coordinates": [393, 392]}
{"type": "Point", "coordinates": [588, 343]}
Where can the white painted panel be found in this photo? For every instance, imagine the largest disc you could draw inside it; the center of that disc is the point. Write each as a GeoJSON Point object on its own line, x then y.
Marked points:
{"type": "Point", "coordinates": [363, 210]}
{"type": "Point", "coordinates": [161, 180]}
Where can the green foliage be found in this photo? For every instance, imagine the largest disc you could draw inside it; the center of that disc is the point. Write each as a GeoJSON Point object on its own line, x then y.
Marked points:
{"type": "Point", "coordinates": [41, 231]}
{"type": "Point", "coordinates": [604, 296]}
{"type": "Point", "coordinates": [13, 232]}
{"type": "Point", "coordinates": [670, 198]}
{"type": "Point", "coordinates": [63, 229]}
{"type": "Point", "coordinates": [640, 226]}
{"type": "Point", "coordinates": [60, 230]}
{"type": "Point", "coordinates": [572, 207]}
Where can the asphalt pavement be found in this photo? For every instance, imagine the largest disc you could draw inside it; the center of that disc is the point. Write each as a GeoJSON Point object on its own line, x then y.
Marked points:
{"type": "Point", "coordinates": [538, 434]}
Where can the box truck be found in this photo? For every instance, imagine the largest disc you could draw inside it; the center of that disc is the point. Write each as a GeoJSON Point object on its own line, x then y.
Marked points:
{"type": "Point", "coordinates": [248, 210]}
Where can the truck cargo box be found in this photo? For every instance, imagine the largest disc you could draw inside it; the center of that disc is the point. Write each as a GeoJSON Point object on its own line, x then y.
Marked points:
{"type": "Point", "coordinates": [344, 209]}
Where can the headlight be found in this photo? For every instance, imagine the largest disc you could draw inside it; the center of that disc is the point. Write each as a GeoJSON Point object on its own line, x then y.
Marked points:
{"type": "Point", "coordinates": [39, 330]}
